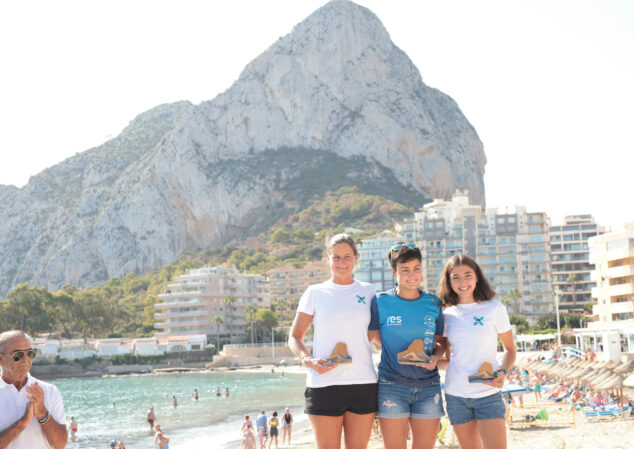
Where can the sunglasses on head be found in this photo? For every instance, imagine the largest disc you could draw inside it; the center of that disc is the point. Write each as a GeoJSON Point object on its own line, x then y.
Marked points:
{"type": "Point", "coordinates": [400, 245]}
{"type": "Point", "coordinates": [19, 355]}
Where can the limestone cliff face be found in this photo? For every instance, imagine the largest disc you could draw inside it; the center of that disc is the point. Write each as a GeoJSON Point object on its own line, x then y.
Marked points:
{"type": "Point", "coordinates": [335, 90]}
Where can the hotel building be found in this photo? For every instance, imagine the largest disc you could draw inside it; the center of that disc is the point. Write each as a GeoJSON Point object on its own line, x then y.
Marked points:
{"type": "Point", "coordinates": [373, 265]}
{"type": "Point", "coordinates": [513, 248]}
{"type": "Point", "coordinates": [570, 260]}
{"type": "Point", "coordinates": [190, 303]}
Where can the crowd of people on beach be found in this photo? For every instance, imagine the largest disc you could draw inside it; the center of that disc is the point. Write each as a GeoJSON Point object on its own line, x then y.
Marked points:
{"type": "Point", "coordinates": [267, 430]}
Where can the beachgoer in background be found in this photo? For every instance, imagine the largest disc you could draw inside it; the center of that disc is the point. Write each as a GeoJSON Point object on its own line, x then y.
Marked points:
{"type": "Point", "coordinates": [196, 393]}
{"type": "Point", "coordinates": [73, 428]}
{"type": "Point", "coordinates": [409, 395]}
{"type": "Point", "coordinates": [248, 439]}
{"type": "Point", "coordinates": [161, 441]}
{"type": "Point", "coordinates": [287, 425]}
{"type": "Point", "coordinates": [226, 392]}
{"type": "Point", "coordinates": [121, 445]}
{"type": "Point", "coordinates": [218, 392]}
{"type": "Point", "coordinates": [151, 418]}
{"type": "Point", "coordinates": [274, 423]}
{"type": "Point", "coordinates": [31, 411]}
{"type": "Point", "coordinates": [338, 396]}
{"type": "Point", "coordinates": [263, 433]}
{"type": "Point", "coordinates": [174, 401]}
{"type": "Point", "coordinates": [113, 444]}
{"type": "Point", "coordinates": [473, 323]}
{"type": "Point", "coordinates": [247, 422]}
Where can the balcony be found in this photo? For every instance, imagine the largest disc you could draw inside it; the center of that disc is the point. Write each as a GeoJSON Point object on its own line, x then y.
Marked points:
{"type": "Point", "coordinates": [190, 313]}
{"type": "Point", "coordinates": [622, 307]}
{"type": "Point", "coordinates": [622, 289]}
{"type": "Point", "coordinates": [187, 294]}
{"type": "Point", "coordinates": [170, 305]}
{"type": "Point", "coordinates": [620, 272]}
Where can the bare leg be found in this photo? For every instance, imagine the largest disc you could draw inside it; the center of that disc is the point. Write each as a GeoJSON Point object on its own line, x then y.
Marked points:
{"type": "Point", "coordinates": [357, 429]}
{"type": "Point", "coordinates": [327, 431]}
{"type": "Point", "coordinates": [394, 432]}
{"type": "Point", "coordinates": [424, 432]}
{"type": "Point", "coordinates": [493, 433]}
{"type": "Point", "coordinates": [468, 435]}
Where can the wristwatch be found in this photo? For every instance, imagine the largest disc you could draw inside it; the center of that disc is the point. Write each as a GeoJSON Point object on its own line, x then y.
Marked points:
{"type": "Point", "coordinates": [504, 371]}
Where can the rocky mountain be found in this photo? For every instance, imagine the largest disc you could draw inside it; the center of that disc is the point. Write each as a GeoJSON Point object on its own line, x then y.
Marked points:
{"type": "Point", "coordinates": [332, 103]}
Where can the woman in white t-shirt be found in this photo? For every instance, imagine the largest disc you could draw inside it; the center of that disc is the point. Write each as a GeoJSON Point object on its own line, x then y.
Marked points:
{"type": "Point", "coordinates": [473, 323]}
{"type": "Point", "coordinates": [340, 396]}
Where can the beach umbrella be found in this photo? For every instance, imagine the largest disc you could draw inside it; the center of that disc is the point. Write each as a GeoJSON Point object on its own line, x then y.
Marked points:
{"type": "Point", "coordinates": [625, 368]}
{"type": "Point", "coordinates": [615, 383]}
{"type": "Point", "coordinates": [629, 381]}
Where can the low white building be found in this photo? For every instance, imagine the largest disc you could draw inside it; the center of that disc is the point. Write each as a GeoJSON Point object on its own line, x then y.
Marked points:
{"type": "Point", "coordinates": [107, 347]}
{"type": "Point", "coordinates": [77, 349]}
{"type": "Point", "coordinates": [146, 346]}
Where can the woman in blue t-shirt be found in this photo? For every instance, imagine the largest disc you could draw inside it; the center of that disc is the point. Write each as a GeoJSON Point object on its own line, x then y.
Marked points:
{"type": "Point", "coordinates": [408, 322]}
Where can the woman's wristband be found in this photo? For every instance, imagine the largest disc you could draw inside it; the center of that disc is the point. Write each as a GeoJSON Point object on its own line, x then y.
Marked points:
{"type": "Point", "coordinates": [503, 370]}
{"type": "Point", "coordinates": [46, 418]}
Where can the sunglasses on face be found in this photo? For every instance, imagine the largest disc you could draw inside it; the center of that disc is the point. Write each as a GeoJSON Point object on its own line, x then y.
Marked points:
{"type": "Point", "coordinates": [400, 245]}
{"type": "Point", "coordinates": [19, 355]}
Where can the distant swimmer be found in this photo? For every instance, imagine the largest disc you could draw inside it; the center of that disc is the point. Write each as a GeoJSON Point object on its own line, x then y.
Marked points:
{"type": "Point", "coordinates": [73, 428]}
{"type": "Point", "coordinates": [174, 401]}
{"type": "Point", "coordinates": [151, 418]}
{"type": "Point", "coordinates": [161, 441]}
{"type": "Point", "coordinates": [196, 393]}
{"type": "Point", "coordinates": [226, 392]}
{"type": "Point", "coordinates": [218, 392]}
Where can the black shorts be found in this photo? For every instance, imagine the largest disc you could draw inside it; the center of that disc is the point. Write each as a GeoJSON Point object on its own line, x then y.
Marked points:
{"type": "Point", "coordinates": [273, 431]}
{"type": "Point", "coordinates": [338, 399]}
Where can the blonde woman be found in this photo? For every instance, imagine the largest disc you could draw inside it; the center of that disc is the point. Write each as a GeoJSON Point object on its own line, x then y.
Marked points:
{"type": "Point", "coordinates": [338, 396]}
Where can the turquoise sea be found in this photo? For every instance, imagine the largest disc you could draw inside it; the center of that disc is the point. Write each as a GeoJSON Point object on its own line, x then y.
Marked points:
{"type": "Point", "coordinates": [210, 422]}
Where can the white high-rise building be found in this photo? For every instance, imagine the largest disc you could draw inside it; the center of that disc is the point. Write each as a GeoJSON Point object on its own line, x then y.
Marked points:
{"type": "Point", "coordinates": [191, 302]}
{"type": "Point", "coordinates": [513, 248]}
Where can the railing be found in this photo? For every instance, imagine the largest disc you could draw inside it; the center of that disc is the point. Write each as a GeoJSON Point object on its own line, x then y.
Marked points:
{"type": "Point", "coordinates": [572, 351]}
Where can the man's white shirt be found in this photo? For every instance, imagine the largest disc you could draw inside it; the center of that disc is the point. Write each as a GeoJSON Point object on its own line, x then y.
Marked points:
{"type": "Point", "coordinates": [12, 407]}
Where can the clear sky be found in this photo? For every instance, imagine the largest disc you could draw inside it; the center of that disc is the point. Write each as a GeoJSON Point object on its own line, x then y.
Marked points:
{"type": "Point", "coordinates": [548, 85]}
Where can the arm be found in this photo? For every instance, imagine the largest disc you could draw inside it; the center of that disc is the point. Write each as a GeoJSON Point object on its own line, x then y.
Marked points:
{"type": "Point", "coordinates": [375, 336]}
{"type": "Point", "coordinates": [11, 433]}
{"type": "Point", "coordinates": [300, 326]}
{"type": "Point", "coordinates": [55, 433]}
{"type": "Point", "coordinates": [508, 361]}
{"type": "Point", "coordinates": [444, 361]}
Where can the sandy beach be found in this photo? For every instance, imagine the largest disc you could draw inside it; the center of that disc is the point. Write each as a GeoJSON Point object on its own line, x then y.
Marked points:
{"type": "Point", "coordinates": [586, 434]}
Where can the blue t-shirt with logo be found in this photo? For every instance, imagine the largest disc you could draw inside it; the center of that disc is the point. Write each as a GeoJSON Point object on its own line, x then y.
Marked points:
{"type": "Point", "coordinates": [401, 321]}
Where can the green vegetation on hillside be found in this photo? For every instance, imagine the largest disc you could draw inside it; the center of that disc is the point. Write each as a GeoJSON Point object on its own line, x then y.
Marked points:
{"type": "Point", "coordinates": [125, 306]}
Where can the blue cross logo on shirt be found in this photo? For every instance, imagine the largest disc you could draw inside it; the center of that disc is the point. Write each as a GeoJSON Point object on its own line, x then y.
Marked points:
{"type": "Point", "coordinates": [361, 299]}
{"type": "Point", "coordinates": [477, 321]}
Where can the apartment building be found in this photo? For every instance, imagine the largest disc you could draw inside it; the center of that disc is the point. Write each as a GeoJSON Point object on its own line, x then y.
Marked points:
{"type": "Point", "coordinates": [287, 283]}
{"type": "Point", "coordinates": [570, 260]}
{"type": "Point", "coordinates": [612, 255]}
{"type": "Point", "coordinates": [513, 248]}
{"type": "Point", "coordinates": [373, 265]}
{"type": "Point", "coordinates": [190, 303]}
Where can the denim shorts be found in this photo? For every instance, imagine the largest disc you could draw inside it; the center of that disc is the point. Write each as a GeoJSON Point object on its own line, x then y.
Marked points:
{"type": "Point", "coordinates": [463, 410]}
{"type": "Point", "coordinates": [402, 401]}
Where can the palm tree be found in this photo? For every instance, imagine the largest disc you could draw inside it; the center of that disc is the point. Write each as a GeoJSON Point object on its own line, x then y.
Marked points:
{"type": "Point", "coordinates": [229, 300]}
{"type": "Point", "coordinates": [250, 312]}
{"type": "Point", "coordinates": [511, 298]}
{"type": "Point", "coordinates": [218, 320]}
{"type": "Point", "coordinates": [572, 278]}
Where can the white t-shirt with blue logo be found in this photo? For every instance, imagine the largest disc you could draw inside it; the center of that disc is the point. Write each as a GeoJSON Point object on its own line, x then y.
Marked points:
{"type": "Point", "coordinates": [341, 313]}
{"type": "Point", "coordinates": [401, 321]}
{"type": "Point", "coordinates": [472, 331]}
